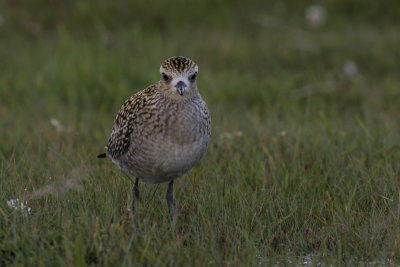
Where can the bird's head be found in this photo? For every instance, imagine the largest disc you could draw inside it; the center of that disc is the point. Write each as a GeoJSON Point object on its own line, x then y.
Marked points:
{"type": "Point", "coordinates": [178, 77]}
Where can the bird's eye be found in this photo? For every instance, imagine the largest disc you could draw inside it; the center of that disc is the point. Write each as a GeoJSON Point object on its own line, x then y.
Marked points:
{"type": "Point", "coordinates": [193, 77]}
{"type": "Point", "coordinates": [165, 77]}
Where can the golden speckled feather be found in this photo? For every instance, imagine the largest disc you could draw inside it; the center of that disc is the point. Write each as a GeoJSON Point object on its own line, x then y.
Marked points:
{"type": "Point", "coordinates": [161, 132]}
{"type": "Point", "coordinates": [127, 118]}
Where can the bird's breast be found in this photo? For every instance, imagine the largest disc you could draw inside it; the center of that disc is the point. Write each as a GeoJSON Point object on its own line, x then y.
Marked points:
{"type": "Point", "coordinates": [174, 149]}
{"type": "Point", "coordinates": [167, 141]}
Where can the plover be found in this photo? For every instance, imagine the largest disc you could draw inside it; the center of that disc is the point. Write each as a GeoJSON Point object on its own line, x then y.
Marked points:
{"type": "Point", "coordinates": [161, 132]}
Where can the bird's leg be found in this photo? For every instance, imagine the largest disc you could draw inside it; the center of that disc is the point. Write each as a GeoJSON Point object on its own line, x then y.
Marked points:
{"type": "Point", "coordinates": [170, 198]}
{"type": "Point", "coordinates": [135, 197]}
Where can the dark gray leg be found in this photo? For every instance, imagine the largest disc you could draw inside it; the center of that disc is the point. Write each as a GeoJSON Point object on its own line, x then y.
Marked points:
{"type": "Point", "coordinates": [170, 198]}
{"type": "Point", "coordinates": [135, 197]}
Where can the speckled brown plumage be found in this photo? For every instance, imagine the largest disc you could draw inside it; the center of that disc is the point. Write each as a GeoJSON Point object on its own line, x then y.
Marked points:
{"type": "Point", "coordinates": [161, 132]}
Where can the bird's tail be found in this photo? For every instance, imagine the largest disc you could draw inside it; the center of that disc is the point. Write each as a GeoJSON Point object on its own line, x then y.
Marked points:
{"type": "Point", "coordinates": [104, 155]}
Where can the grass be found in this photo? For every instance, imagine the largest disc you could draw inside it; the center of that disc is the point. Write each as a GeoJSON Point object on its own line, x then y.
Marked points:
{"type": "Point", "coordinates": [313, 174]}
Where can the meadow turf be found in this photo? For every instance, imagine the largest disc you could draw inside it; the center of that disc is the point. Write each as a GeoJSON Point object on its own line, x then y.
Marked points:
{"type": "Point", "coordinates": [304, 160]}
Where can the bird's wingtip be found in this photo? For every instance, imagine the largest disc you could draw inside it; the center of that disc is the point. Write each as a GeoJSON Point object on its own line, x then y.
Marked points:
{"type": "Point", "coordinates": [104, 155]}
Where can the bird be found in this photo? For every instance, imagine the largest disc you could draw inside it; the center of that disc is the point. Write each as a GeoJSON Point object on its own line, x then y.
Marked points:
{"type": "Point", "coordinates": [161, 132]}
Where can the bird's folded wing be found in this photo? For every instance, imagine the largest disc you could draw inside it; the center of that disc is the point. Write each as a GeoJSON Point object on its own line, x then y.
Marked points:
{"type": "Point", "coordinates": [119, 141]}
{"type": "Point", "coordinates": [127, 120]}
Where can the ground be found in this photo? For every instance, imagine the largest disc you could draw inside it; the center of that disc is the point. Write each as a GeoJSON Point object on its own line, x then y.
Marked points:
{"type": "Point", "coordinates": [303, 165]}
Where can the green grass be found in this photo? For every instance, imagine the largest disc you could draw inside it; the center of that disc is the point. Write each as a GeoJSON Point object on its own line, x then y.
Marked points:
{"type": "Point", "coordinates": [315, 171]}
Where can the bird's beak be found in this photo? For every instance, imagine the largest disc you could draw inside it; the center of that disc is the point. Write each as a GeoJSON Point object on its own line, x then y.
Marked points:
{"type": "Point", "coordinates": [181, 87]}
